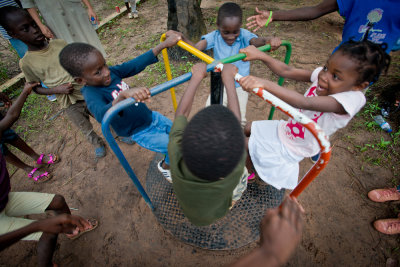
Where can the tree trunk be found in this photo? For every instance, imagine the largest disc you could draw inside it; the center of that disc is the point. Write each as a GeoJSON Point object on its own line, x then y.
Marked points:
{"type": "Point", "coordinates": [185, 16]}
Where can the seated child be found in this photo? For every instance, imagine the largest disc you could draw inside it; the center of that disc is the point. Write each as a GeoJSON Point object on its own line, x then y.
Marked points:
{"type": "Point", "coordinates": [103, 87]}
{"type": "Point", "coordinates": [14, 205]}
{"type": "Point", "coordinates": [207, 154]}
{"type": "Point", "coordinates": [228, 40]}
{"type": "Point", "coordinates": [41, 63]}
{"type": "Point", "coordinates": [335, 96]}
{"type": "Point", "coordinates": [10, 137]}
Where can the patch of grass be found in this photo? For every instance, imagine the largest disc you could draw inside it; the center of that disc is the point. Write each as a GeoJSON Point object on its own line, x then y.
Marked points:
{"type": "Point", "coordinates": [150, 43]}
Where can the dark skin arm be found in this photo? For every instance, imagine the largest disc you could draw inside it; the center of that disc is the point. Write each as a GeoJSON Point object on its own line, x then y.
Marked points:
{"type": "Point", "coordinates": [304, 13]}
{"type": "Point", "coordinates": [66, 88]}
{"type": "Point", "coordinates": [276, 66]}
{"type": "Point", "coordinates": [280, 233]}
{"type": "Point", "coordinates": [199, 71]}
{"type": "Point", "coordinates": [260, 41]}
{"type": "Point", "coordinates": [228, 73]}
{"type": "Point", "coordinates": [15, 110]}
{"type": "Point", "coordinates": [295, 99]}
{"type": "Point", "coordinates": [172, 37]}
{"type": "Point", "coordinates": [65, 223]}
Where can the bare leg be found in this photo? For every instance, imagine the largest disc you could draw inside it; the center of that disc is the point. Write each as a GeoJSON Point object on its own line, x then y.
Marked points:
{"type": "Point", "coordinates": [127, 7]}
{"type": "Point", "coordinates": [47, 242]}
{"type": "Point", "coordinates": [247, 129]}
{"type": "Point", "coordinates": [24, 147]}
{"type": "Point", "coordinates": [11, 158]}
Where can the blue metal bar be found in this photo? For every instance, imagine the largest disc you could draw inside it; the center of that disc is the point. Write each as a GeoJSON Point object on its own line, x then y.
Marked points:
{"type": "Point", "coordinates": [114, 110]}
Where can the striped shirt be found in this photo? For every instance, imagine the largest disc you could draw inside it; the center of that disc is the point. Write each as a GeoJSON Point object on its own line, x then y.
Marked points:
{"type": "Point", "coordinates": [2, 4]}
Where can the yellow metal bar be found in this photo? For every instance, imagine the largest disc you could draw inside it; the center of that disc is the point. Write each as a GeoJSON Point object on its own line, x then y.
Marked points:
{"type": "Point", "coordinates": [206, 58]}
{"type": "Point", "coordinates": [168, 71]}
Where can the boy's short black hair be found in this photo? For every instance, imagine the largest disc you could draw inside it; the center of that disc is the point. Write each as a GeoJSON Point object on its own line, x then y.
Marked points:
{"type": "Point", "coordinates": [213, 143]}
{"type": "Point", "coordinates": [229, 10]}
{"type": "Point", "coordinates": [9, 11]}
{"type": "Point", "coordinates": [73, 56]}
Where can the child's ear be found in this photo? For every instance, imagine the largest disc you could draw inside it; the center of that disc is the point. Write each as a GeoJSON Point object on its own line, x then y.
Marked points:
{"type": "Point", "coordinates": [80, 80]}
{"type": "Point", "coordinates": [362, 85]}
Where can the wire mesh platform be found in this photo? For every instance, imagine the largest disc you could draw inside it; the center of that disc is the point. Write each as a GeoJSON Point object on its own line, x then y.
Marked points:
{"type": "Point", "coordinates": [237, 229]}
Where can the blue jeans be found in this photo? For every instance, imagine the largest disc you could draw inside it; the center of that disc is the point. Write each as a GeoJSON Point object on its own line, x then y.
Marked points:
{"type": "Point", "coordinates": [156, 136]}
{"type": "Point", "coordinates": [19, 46]}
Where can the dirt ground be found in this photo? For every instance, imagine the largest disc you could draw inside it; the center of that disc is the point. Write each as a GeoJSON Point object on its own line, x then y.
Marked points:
{"type": "Point", "coordinates": [338, 230]}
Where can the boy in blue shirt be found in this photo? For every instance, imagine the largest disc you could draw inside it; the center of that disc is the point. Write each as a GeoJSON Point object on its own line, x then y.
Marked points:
{"type": "Point", "coordinates": [227, 41]}
{"type": "Point", "coordinates": [103, 87]}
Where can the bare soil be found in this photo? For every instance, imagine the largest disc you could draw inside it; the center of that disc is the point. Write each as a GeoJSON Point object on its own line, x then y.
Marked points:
{"type": "Point", "coordinates": [338, 230]}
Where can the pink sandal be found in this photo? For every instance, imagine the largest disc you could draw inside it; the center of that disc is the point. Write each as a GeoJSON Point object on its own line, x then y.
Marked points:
{"type": "Point", "coordinates": [52, 159]}
{"type": "Point", "coordinates": [39, 178]}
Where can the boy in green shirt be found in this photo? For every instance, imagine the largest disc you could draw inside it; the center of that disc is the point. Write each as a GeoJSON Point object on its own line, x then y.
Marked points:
{"type": "Point", "coordinates": [207, 154]}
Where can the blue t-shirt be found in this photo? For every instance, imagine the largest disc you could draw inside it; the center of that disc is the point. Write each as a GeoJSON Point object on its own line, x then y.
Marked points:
{"type": "Point", "coordinates": [222, 50]}
{"type": "Point", "coordinates": [383, 14]}
{"type": "Point", "coordinates": [99, 99]}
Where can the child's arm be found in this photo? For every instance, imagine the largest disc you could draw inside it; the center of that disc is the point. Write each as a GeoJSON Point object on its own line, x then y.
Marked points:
{"type": "Point", "coordinates": [141, 94]}
{"type": "Point", "coordinates": [320, 103]}
{"type": "Point", "coordinates": [66, 88]}
{"type": "Point", "coordinates": [304, 13]}
{"type": "Point", "coordinates": [172, 38]}
{"type": "Point", "coordinates": [260, 41]}
{"type": "Point", "coordinates": [199, 71]}
{"type": "Point", "coordinates": [64, 223]}
{"type": "Point", "coordinates": [15, 110]}
{"type": "Point", "coordinates": [228, 74]}
{"type": "Point", "coordinates": [35, 16]}
{"type": "Point", "coordinates": [276, 66]}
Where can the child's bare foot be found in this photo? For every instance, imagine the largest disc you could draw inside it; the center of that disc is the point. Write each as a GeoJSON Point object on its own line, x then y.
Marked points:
{"type": "Point", "coordinates": [93, 224]}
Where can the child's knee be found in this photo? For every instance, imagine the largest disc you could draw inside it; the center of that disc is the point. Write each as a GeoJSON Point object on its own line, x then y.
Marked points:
{"type": "Point", "coordinates": [58, 203]}
{"type": "Point", "coordinates": [247, 129]}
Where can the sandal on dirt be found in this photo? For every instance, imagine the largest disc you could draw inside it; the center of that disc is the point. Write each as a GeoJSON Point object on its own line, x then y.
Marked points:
{"type": "Point", "coordinates": [92, 222]}
{"type": "Point", "coordinates": [39, 178]}
{"type": "Point", "coordinates": [52, 159]}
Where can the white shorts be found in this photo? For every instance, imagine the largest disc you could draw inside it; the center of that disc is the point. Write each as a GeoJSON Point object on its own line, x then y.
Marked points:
{"type": "Point", "coordinates": [21, 204]}
{"type": "Point", "coordinates": [274, 163]}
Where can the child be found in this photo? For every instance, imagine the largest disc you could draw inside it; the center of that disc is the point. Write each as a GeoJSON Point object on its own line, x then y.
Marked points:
{"type": "Point", "coordinates": [132, 12]}
{"type": "Point", "coordinates": [41, 63]}
{"type": "Point", "coordinates": [379, 17]}
{"type": "Point", "coordinates": [335, 96]}
{"type": "Point", "coordinates": [13, 205]}
{"type": "Point", "coordinates": [228, 40]}
{"type": "Point", "coordinates": [10, 137]}
{"type": "Point", "coordinates": [103, 87]}
{"type": "Point", "coordinates": [207, 154]}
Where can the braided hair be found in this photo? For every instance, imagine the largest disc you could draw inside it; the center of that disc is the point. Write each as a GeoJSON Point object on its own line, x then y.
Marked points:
{"type": "Point", "coordinates": [371, 57]}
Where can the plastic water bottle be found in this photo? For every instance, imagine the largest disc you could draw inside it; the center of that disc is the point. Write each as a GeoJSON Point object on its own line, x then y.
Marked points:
{"type": "Point", "coordinates": [94, 23]}
{"type": "Point", "coordinates": [383, 124]}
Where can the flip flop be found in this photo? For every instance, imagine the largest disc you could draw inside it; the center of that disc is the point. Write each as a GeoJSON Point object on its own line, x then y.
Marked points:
{"type": "Point", "coordinates": [52, 159]}
{"type": "Point", "coordinates": [41, 178]}
{"type": "Point", "coordinates": [94, 224]}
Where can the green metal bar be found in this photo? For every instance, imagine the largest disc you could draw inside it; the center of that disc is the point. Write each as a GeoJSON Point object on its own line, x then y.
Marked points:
{"type": "Point", "coordinates": [264, 48]}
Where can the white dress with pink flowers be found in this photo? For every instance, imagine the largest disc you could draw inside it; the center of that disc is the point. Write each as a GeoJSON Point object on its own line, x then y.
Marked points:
{"type": "Point", "coordinates": [276, 147]}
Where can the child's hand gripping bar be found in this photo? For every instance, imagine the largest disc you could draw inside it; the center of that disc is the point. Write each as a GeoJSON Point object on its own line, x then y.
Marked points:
{"type": "Point", "coordinates": [314, 128]}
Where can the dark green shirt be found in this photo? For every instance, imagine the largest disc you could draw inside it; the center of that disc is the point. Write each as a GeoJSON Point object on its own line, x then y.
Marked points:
{"type": "Point", "coordinates": [202, 201]}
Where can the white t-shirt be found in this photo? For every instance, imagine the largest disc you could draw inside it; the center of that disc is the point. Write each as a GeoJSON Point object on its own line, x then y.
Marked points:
{"type": "Point", "coordinates": [299, 140]}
